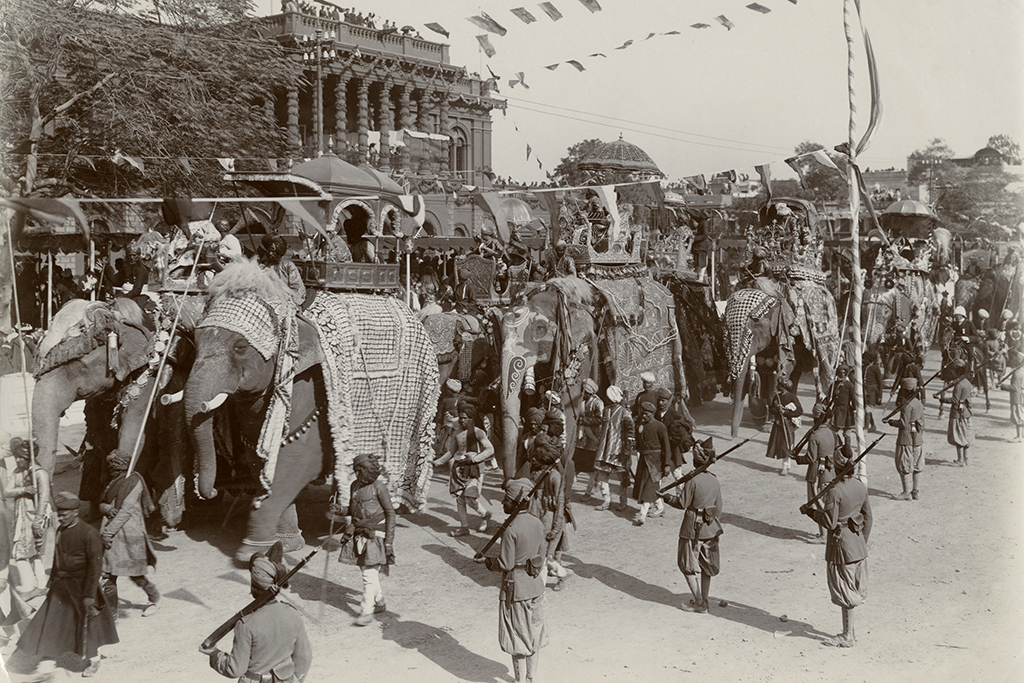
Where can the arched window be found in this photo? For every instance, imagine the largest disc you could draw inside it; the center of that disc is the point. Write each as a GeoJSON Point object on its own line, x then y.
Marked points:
{"type": "Point", "coordinates": [459, 152]}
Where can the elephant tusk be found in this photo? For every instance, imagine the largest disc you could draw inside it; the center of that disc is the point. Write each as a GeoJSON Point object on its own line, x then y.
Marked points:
{"type": "Point", "coordinates": [168, 399]}
{"type": "Point", "coordinates": [213, 403]}
{"type": "Point", "coordinates": [529, 382]}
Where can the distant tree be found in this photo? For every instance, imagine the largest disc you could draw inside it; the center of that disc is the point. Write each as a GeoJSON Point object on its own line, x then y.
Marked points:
{"type": "Point", "coordinates": [931, 162]}
{"type": "Point", "coordinates": [567, 172]}
{"type": "Point", "coordinates": [823, 183]}
{"type": "Point", "coordinates": [1006, 146]}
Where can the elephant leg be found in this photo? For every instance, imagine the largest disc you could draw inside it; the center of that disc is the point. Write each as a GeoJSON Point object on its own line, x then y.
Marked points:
{"type": "Point", "coordinates": [298, 463]}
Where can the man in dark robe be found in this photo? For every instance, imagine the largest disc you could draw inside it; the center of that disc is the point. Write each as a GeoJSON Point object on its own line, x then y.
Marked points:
{"type": "Point", "coordinates": [655, 453]}
{"type": "Point", "coordinates": [74, 617]}
{"type": "Point", "coordinates": [786, 408]}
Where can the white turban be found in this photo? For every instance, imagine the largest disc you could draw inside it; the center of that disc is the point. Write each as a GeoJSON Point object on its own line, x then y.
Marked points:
{"type": "Point", "coordinates": [648, 377]}
{"type": "Point", "coordinates": [614, 394]}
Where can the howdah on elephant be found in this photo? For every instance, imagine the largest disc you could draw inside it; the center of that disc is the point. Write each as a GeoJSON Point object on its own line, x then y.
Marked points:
{"type": "Point", "coordinates": [351, 374]}
{"type": "Point", "coordinates": [108, 354]}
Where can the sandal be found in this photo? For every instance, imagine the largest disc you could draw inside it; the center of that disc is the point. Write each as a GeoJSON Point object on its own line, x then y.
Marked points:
{"type": "Point", "coordinates": [839, 641]}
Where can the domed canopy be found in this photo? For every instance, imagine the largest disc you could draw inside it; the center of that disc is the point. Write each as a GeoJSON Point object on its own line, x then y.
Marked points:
{"type": "Point", "coordinates": [621, 157]}
{"type": "Point", "coordinates": [908, 207]}
{"type": "Point", "coordinates": [516, 211]}
{"type": "Point", "coordinates": [332, 172]}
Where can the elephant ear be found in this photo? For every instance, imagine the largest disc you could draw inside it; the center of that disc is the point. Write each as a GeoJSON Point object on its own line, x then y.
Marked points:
{"type": "Point", "coordinates": [134, 349]}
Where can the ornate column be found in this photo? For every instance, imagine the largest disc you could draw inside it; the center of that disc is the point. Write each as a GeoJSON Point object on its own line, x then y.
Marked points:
{"type": "Point", "coordinates": [445, 129]}
{"type": "Point", "coordinates": [294, 141]}
{"type": "Point", "coordinates": [364, 118]}
{"type": "Point", "coordinates": [340, 113]}
{"type": "Point", "coordinates": [422, 112]}
{"type": "Point", "coordinates": [404, 122]}
{"type": "Point", "coordinates": [387, 122]}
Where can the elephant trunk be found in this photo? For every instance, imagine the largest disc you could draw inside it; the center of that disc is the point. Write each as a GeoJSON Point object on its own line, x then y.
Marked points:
{"type": "Point", "coordinates": [50, 398]}
{"type": "Point", "coordinates": [200, 389]}
{"type": "Point", "coordinates": [510, 408]}
{"type": "Point", "coordinates": [737, 399]}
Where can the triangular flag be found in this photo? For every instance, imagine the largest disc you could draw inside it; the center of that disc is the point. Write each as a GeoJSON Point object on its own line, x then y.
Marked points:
{"type": "Point", "coordinates": [49, 210]}
{"type": "Point", "coordinates": [529, 150]}
{"type": "Point", "coordinates": [672, 33]}
{"type": "Point", "coordinates": [650, 35]}
{"type": "Point", "coordinates": [591, 5]}
{"type": "Point", "coordinates": [484, 21]}
{"type": "Point", "coordinates": [524, 15]}
{"type": "Point", "coordinates": [697, 181]}
{"type": "Point", "coordinates": [540, 165]}
{"type": "Point", "coordinates": [550, 10]}
{"type": "Point", "coordinates": [304, 211]}
{"type": "Point", "coordinates": [183, 162]}
{"type": "Point", "coordinates": [413, 205]}
{"type": "Point", "coordinates": [599, 54]}
{"type": "Point", "coordinates": [272, 165]}
{"type": "Point", "coordinates": [765, 173]}
{"type": "Point", "coordinates": [579, 67]}
{"type": "Point", "coordinates": [724, 21]}
{"type": "Point", "coordinates": [485, 44]}
{"type": "Point", "coordinates": [624, 45]}
{"type": "Point", "coordinates": [758, 8]}
{"type": "Point", "coordinates": [437, 28]}
{"type": "Point", "coordinates": [228, 163]}
{"type": "Point", "coordinates": [493, 75]}
{"type": "Point", "coordinates": [491, 202]}
{"type": "Point", "coordinates": [522, 80]}
{"type": "Point", "coordinates": [700, 25]}
{"type": "Point", "coordinates": [822, 158]}
{"type": "Point", "coordinates": [794, 163]}
{"type": "Point", "coordinates": [551, 67]}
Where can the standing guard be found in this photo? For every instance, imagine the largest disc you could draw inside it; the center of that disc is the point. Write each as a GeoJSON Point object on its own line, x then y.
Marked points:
{"type": "Point", "coordinates": [910, 439]}
{"type": "Point", "coordinates": [960, 433]}
{"type": "Point", "coordinates": [821, 447]}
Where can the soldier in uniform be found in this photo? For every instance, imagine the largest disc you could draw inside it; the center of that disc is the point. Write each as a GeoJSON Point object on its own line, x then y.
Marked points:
{"type": "Point", "coordinates": [588, 435]}
{"type": "Point", "coordinates": [846, 513]}
{"type": "Point", "coordinates": [701, 499]}
{"type": "Point", "coordinates": [960, 433]}
{"type": "Point", "coordinates": [270, 644]}
{"type": "Point", "coordinates": [910, 439]}
{"type": "Point", "coordinates": [821, 446]}
{"type": "Point", "coordinates": [521, 629]}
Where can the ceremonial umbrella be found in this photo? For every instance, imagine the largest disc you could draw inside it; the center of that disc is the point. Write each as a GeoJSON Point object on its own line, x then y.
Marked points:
{"type": "Point", "coordinates": [908, 207]}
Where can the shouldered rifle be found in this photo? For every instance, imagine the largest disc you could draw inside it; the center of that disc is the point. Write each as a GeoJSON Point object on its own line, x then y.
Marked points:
{"type": "Point", "coordinates": [950, 385]}
{"type": "Point", "coordinates": [697, 470]}
{"type": "Point", "coordinates": [265, 597]}
{"type": "Point", "coordinates": [520, 506]}
{"type": "Point", "coordinates": [840, 475]}
{"type": "Point", "coordinates": [1010, 374]}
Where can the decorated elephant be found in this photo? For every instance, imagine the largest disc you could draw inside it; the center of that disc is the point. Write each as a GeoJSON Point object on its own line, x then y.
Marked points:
{"type": "Point", "coordinates": [567, 330]}
{"type": "Point", "coordinates": [108, 354]}
{"type": "Point", "coordinates": [986, 284]}
{"type": "Point", "coordinates": [461, 342]}
{"type": "Point", "coordinates": [757, 329]}
{"type": "Point", "coordinates": [352, 374]}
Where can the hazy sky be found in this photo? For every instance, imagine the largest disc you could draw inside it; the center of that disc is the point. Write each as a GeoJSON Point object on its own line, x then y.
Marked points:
{"type": "Point", "coordinates": [714, 99]}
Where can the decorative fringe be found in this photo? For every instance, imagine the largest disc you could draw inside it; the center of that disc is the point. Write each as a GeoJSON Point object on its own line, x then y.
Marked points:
{"type": "Point", "coordinates": [243, 278]}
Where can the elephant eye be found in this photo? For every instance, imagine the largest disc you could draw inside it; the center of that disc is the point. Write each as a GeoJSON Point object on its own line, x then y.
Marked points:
{"type": "Point", "coordinates": [240, 347]}
{"type": "Point", "coordinates": [540, 330]}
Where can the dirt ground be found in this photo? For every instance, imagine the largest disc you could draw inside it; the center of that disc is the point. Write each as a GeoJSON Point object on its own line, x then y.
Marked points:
{"type": "Point", "coordinates": [945, 594]}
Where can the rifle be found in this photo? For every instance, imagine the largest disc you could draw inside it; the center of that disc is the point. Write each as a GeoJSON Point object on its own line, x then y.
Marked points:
{"type": "Point", "coordinates": [693, 473]}
{"type": "Point", "coordinates": [956, 381]}
{"type": "Point", "coordinates": [520, 506]}
{"type": "Point", "coordinates": [840, 475]}
{"type": "Point", "coordinates": [1010, 374]}
{"type": "Point", "coordinates": [265, 597]}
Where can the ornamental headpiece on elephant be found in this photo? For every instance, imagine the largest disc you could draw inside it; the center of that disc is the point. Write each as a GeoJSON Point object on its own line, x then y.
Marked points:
{"type": "Point", "coordinates": [786, 317]}
{"type": "Point", "coordinates": [352, 374]}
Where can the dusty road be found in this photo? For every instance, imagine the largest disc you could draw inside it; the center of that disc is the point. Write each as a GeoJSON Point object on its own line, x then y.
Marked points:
{"type": "Point", "coordinates": [945, 595]}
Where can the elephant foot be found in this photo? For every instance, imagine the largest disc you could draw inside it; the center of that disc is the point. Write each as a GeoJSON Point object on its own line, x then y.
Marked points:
{"type": "Point", "coordinates": [292, 543]}
{"type": "Point", "coordinates": [248, 548]}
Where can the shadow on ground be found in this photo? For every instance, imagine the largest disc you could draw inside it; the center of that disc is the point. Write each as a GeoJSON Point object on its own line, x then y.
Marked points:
{"type": "Point", "coordinates": [443, 649]}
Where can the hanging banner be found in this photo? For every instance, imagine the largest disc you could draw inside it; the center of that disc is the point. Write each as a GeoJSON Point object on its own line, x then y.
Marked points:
{"type": "Point", "coordinates": [490, 201]}
{"type": "Point", "coordinates": [485, 45]}
{"type": "Point", "coordinates": [764, 171]}
{"type": "Point", "coordinates": [794, 163]}
{"type": "Point", "coordinates": [307, 214]}
{"type": "Point", "coordinates": [607, 195]}
{"type": "Point", "coordinates": [437, 28]}
{"type": "Point", "coordinates": [484, 21]}
{"type": "Point", "coordinates": [758, 8]}
{"type": "Point", "coordinates": [524, 15]}
{"type": "Point", "coordinates": [591, 5]}
{"type": "Point", "coordinates": [49, 210]}
{"type": "Point", "coordinates": [579, 67]}
{"type": "Point", "coordinates": [724, 21]}
{"type": "Point", "coordinates": [822, 158]}
{"type": "Point", "coordinates": [550, 10]}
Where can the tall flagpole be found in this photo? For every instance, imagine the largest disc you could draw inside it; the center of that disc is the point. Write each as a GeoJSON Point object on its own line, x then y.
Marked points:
{"type": "Point", "coordinates": [858, 277]}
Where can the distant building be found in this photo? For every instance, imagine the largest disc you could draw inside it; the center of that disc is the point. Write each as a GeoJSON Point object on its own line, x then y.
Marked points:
{"type": "Point", "coordinates": [389, 98]}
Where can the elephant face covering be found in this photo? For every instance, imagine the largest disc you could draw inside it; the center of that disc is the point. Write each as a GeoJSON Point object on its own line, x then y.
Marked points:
{"type": "Point", "coordinates": [248, 317]}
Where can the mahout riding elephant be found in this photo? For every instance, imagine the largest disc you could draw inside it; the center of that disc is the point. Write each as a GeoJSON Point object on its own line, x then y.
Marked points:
{"type": "Point", "coordinates": [756, 328]}
{"type": "Point", "coordinates": [108, 354]}
{"type": "Point", "coordinates": [308, 392]}
{"type": "Point", "coordinates": [567, 330]}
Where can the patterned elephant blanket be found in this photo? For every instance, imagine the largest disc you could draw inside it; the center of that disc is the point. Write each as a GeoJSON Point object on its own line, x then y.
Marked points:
{"type": "Point", "coordinates": [643, 335]}
{"type": "Point", "coordinates": [381, 378]}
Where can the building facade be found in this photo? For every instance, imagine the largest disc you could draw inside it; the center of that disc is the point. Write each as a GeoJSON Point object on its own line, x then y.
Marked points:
{"type": "Point", "coordinates": [384, 97]}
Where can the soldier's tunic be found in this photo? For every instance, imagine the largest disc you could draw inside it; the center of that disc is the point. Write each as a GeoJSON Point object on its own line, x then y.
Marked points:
{"type": "Point", "coordinates": [910, 439]}
{"type": "Point", "coordinates": [847, 516]}
{"type": "Point", "coordinates": [521, 628]}
{"type": "Point", "coordinates": [270, 640]}
{"type": "Point", "coordinates": [843, 410]}
{"type": "Point", "coordinates": [821, 446]}
{"type": "Point", "coordinates": [960, 432]}
{"type": "Point", "coordinates": [701, 499]}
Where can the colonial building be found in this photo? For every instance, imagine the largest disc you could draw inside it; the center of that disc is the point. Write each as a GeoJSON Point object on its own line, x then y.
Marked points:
{"type": "Point", "coordinates": [385, 97]}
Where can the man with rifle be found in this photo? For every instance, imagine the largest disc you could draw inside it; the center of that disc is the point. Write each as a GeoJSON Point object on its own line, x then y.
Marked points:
{"type": "Point", "coordinates": [521, 629]}
{"type": "Point", "coordinates": [821, 446]}
{"type": "Point", "coordinates": [846, 513]}
{"type": "Point", "coordinates": [910, 439]}
{"type": "Point", "coordinates": [270, 643]}
{"type": "Point", "coordinates": [697, 553]}
{"type": "Point", "coordinates": [960, 433]}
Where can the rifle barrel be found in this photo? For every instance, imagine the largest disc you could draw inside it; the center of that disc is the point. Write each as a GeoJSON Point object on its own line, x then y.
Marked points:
{"type": "Point", "coordinates": [694, 472]}
{"type": "Point", "coordinates": [519, 508]}
{"type": "Point", "coordinates": [841, 475]}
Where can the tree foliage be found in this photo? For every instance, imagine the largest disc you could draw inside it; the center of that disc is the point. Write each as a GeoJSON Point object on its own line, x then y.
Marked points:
{"type": "Point", "coordinates": [158, 83]}
{"type": "Point", "coordinates": [932, 161]}
{"type": "Point", "coordinates": [823, 183]}
{"type": "Point", "coordinates": [1006, 146]}
{"type": "Point", "coordinates": [567, 172]}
